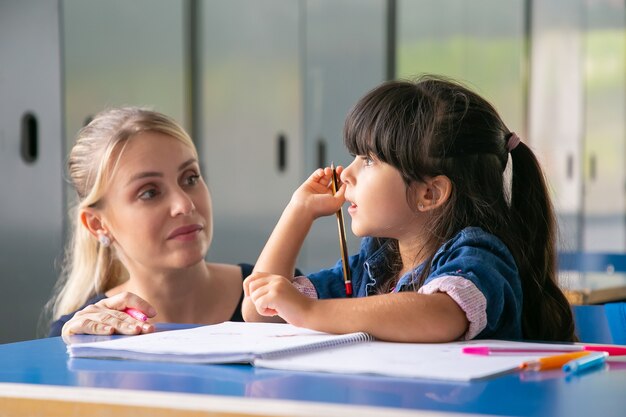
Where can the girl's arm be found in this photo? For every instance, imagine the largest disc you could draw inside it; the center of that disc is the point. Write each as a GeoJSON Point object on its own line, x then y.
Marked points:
{"type": "Point", "coordinates": [311, 200]}
{"type": "Point", "coordinates": [397, 317]}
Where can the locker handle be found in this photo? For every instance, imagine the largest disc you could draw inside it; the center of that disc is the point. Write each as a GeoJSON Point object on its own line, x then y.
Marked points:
{"type": "Point", "coordinates": [592, 167]}
{"type": "Point", "coordinates": [282, 152]}
{"type": "Point", "coordinates": [29, 147]}
{"type": "Point", "coordinates": [570, 166]}
{"type": "Point", "coordinates": [321, 153]}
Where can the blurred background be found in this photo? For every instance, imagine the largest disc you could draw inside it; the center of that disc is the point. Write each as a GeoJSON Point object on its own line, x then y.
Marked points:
{"type": "Point", "coordinates": [263, 87]}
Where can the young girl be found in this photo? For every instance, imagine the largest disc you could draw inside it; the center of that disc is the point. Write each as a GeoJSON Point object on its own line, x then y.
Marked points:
{"type": "Point", "coordinates": [451, 249]}
{"type": "Point", "coordinates": [142, 228]}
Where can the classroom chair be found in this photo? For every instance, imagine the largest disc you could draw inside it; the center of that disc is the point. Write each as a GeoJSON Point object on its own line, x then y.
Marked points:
{"type": "Point", "coordinates": [605, 323]}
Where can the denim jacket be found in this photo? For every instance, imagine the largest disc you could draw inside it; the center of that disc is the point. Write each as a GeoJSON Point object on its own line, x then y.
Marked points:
{"type": "Point", "coordinates": [474, 267]}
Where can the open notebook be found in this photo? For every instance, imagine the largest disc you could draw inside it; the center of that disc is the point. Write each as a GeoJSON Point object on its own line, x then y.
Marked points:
{"type": "Point", "coordinates": [228, 342]}
{"type": "Point", "coordinates": [282, 346]}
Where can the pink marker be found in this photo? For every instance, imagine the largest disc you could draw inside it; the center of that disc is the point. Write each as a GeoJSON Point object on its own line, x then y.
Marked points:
{"type": "Point", "coordinates": [613, 350]}
{"type": "Point", "coordinates": [133, 312]}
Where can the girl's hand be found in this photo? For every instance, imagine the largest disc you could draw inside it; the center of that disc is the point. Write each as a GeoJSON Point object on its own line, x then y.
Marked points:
{"type": "Point", "coordinates": [107, 317]}
{"type": "Point", "coordinates": [275, 295]}
{"type": "Point", "coordinates": [315, 195]}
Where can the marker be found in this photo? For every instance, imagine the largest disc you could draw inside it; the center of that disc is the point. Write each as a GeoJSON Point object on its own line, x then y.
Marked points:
{"type": "Point", "coordinates": [501, 350]}
{"type": "Point", "coordinates": [552, 362]}
{"type": "Point", "coordinates": [586, 362]}
{"type": "Point", "coordinates": [133, 312]}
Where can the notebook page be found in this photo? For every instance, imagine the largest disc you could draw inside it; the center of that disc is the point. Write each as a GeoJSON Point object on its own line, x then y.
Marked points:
{"type": "Point", "coordinates": [413, 360]}
{"type": "Point", "coordinates": [220, 343]}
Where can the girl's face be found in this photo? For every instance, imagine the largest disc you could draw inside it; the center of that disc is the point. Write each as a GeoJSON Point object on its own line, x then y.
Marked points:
{"type": "Point", "coordinates": [157, 207]}
{"type": "Point", "coordinates": [378, 198]}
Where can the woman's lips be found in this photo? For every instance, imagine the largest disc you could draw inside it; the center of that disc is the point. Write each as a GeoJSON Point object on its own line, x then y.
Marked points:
{"type": "Point", "coordinates": [185, 232]}
{"type": "Point", "coordinates": [352, 208]}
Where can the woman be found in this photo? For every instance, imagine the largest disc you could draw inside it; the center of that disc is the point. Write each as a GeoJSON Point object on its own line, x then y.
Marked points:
{"type": "Point", "coordinates": [142, 228]}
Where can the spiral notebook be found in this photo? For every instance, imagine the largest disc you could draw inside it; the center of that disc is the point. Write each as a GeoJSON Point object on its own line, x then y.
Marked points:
{"type": "Point", "coordinates": [286, 347]}
{"type": "Point", "coordinates": [228, 342]}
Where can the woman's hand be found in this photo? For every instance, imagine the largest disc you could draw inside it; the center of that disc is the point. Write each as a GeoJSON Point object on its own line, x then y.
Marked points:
{"type": "Point", "coordinates": [315, 195]}
{"type": "Point", "coordinates": [275, 295]}
{"type": "Point", "coordinates": [108, 317]}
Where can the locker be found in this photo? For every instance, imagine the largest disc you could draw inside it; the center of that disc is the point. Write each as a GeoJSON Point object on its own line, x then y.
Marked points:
{"type": "Point", "coordinates": [578, 102]}
{"type": "Point", "coordinates": [61, 63]}
{"type": "Point", "coordinates": [346, 51]}
{"type": "Point", "coordinates": [31, 184]}
{"type": "Point", "coordinates": [272, 73]}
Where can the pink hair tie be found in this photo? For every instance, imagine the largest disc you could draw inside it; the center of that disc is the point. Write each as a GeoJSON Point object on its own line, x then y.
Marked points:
{"type": "Point", "coordinates": [512, 142]}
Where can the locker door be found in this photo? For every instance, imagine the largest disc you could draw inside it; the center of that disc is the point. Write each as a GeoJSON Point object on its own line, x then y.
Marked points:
{"type": "Point", "coordinates": [31, 202]}
{"type": "Point", "coordinates": [556, 107]}
{"type": "Point", "coordinates": [604, 204]}
{"type": "Point", "coordinates": [249, 118]}
{"type": "Point", "coordinates": [345, 53]}
{"type": "Point", "coordinates": [120, 52]}
{"type": "Point", "coordinates": [480, 43]}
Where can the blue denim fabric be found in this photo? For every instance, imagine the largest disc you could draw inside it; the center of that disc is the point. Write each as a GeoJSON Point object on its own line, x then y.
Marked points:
{"type": "Point", "coordinates": [472, 254]}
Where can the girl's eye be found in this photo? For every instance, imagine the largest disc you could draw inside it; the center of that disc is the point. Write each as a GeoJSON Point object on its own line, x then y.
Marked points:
{"type": "Point", "coordinates": [148, 194]}
{"type": "Point", "coordinates": [367, 160]}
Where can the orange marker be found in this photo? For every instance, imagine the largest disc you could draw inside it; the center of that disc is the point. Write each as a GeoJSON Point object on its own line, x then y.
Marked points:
{"type": "Point", "coordinates": [552, 362]}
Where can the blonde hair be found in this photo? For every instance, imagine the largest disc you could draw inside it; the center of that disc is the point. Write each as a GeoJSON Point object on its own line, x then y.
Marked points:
{"type": "Point", "coordinates": [89, 267]}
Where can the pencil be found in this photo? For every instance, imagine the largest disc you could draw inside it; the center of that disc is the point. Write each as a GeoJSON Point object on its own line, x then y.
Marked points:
{"type": "Point", "coordinates": [347, 278]}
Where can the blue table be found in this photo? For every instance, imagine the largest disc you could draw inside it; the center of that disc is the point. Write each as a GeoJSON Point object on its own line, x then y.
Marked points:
{"type": "Point", "coordinates": [44, 363]}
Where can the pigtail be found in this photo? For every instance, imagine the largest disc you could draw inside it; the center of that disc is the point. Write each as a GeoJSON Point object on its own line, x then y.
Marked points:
{"type": "Point", "coordinates": [546, 314]}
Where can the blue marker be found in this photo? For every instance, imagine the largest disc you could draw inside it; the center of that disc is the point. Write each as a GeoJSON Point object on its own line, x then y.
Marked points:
{"type": "Point", "coordinates": [586, 362]}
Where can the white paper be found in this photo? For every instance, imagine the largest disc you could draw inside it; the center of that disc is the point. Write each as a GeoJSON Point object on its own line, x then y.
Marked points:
{"type": "Point", "coordinates": [220, 343]}
{"type": "Point", "coordinates": [415, 360]}
{"type": "Point", "coordinates": [264, 345]}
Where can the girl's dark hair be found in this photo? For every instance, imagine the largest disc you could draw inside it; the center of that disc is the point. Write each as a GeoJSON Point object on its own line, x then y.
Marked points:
{"type": "Point", "coordinates": [436, 126]}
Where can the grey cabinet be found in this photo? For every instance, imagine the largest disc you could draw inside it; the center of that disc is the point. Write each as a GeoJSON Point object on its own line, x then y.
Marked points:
{"type": "Point", "coordinates": [482, 43]}
{"type": "Point", "coordinates": [31, 159]}
{"type": "Point", "coordinates": [119, 52]}
{"type": "Point", "coordinates": [277, 79]}
{"type": "Point", "coordinates": [60, 63]}
{"type": "Point", "coordinates": [249, 118]}
{"type": "Point", "coordinates": [578, 103]}
{"type": "Point", "coordinates": [345, 50]}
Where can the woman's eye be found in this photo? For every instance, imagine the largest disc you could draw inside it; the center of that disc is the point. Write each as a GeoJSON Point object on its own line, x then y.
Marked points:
{"type": "Point", "coordinates": [148, 194]}
{"type": "Point", "coordinates": [192, 179]}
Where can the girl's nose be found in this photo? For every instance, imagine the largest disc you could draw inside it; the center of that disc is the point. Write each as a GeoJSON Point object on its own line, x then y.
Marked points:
{"type": "Point", "coordinates": [347, 175]}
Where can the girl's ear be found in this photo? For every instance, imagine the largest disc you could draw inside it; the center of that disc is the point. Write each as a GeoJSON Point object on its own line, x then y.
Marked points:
{"type": "Point", "coordinates": [434, 193]}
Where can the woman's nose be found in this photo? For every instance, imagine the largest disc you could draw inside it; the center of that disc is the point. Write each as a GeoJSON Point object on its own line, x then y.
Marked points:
{"type": "Point", "coordinates": [182, 204]}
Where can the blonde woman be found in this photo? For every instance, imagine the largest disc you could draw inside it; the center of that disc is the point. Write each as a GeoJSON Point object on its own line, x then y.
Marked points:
{"type": "Point", "coordinates": [142, 229]}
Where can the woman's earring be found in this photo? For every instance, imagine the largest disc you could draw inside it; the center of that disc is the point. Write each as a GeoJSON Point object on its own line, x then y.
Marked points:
{"type": "Point", "coordinates": [420, 206]}
{"type": "Point", "coordinates": [104, 240]}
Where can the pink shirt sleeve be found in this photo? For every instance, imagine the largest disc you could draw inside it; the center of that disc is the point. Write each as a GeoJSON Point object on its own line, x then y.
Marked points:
{"type": "Point", "coordinates": [467, 296]}
{"type": "Point", "coordinates": [305, 286]}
